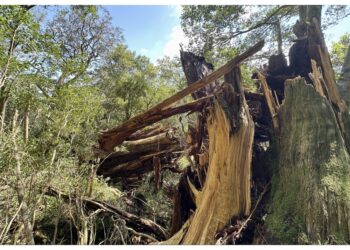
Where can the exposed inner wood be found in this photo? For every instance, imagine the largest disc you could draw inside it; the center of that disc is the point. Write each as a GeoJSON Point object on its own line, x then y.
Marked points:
{"type": "Point", "coordinates": [270, 100]}
{"type": "Point", "coordinates": [113, 137]}
{"type": "Point", "coordinates": [226, 191]}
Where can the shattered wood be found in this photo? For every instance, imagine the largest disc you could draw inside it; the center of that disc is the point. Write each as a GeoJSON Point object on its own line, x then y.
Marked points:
{"type": "Point", "coordinates": [270, 100]}
{"type": "Point", "coordinates": [113, 137]}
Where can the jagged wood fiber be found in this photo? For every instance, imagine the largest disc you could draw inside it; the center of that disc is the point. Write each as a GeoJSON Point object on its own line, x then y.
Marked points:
{"type": "Point", "coordinates": [226, 191]}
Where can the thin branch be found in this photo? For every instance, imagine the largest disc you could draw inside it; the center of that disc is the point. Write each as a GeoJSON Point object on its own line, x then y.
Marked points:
{"type": "Point", "coordinates": [259, 24]}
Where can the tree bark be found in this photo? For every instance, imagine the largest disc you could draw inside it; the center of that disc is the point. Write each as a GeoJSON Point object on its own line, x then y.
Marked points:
{"type": "Point", "coordinates": [20, 188]}
{"type": "Point", "coordinates": [26, 124]}
{"type": "Point", "coordinates": [310, 188]}
{"type": "Point", "coordinates": [3, 115]}
{"type": "Point", "coordinates": [310, 185]}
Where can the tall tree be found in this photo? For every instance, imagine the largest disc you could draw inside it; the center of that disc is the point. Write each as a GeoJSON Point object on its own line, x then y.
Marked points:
{"type": "Point", "coordinates": [19, 39]}
{"type": "Point", "coordinates": [83, 36]}
{"type": "Point", "coordinates": [125, 79]}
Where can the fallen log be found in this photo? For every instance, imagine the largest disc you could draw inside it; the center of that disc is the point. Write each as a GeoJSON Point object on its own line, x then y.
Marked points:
{"type": "Point", "coordinates": [148, 132]}
{"type": "Point", "coordinates": [115, 136]}
{"type": "Point", "coordinates": [137, 223]}
{"type": "Point", "coordinates": [152, 143]}
{"type": "Point", "coordinates": [114, 168]}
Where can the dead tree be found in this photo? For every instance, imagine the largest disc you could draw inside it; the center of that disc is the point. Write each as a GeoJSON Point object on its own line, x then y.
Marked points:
{"type": "Point", "coordinates": [310, 186]}
{"type": "Point", "coordinates": [231, 133]}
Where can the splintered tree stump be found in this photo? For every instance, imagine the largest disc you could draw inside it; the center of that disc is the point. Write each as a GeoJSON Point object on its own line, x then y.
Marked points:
{"type": "Point", "coordinates": [311, 183]}
{"type": "Point", "coordinates": [113, 137]}
{"type": "Point", "coordinates": [226, 191]}
{"type": "Point", "coordinates": [195, 68]}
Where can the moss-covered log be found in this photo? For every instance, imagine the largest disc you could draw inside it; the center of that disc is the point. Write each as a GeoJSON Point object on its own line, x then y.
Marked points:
{"type": "Point", "coordinates": [311, 183]}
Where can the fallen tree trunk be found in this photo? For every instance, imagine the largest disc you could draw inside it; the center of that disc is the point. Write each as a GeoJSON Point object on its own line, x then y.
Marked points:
{"type": "Point", "coordinates": [114, 137]}
{"type": "Point", "coordinates": [226, 191]}
{"type": "Point", "coordinates": [128, 165]}
{"type": "Point", "coordinates": [132, 157]}
{"type": "Point", "coordinates": [148, 132]}
{"type": "Point", "coordinates": [152, 143]}
{"type": "Point", "coordinates": [311, 185]}
{"type": "Point", "coordinates": [137, 223]}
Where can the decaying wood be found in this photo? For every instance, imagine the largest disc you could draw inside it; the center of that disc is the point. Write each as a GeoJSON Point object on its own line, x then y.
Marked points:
{"type": "Point", "coordinates": [113, 137]}
{"type": "Point", "coordinates": [148, 132]}
{"type": "Point", "coordinates": [195, 68]}
{"type": "Point", "coordinates": [156, 167]}
{"type": "Point", "coordinates": [317, 77]}
{"type": "Point", "coordinates": [223, 240]}
{"type": "Point", "coordinates": [270, 100]}
{"type": "Point", "coordinates": [144, 225]}
{"type": "Point", "coordinates": [231, 130]}
{"type": "Point", "coordinates": [152, 143]}
{"type": "Point", "coordinates": [134, 167]}
{"type": "Point", "coordinates": [183, 203]}
{"type": "Point", "coordinates": [313, 171]}
{"type": "Point", "coordinates": [344, 80]}
{"type": "Point", "coordinates": [318, 51]}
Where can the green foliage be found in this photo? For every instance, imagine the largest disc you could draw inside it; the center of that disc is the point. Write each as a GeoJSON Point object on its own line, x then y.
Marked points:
{"type": "Point", "coordinates": [217, 26]}
{"type": "Point", "coordinates": [338, 53]}
{"type": "Point", "coordinates": [80, 36]}
{"type": "Point", "coordinates": [124, 80]}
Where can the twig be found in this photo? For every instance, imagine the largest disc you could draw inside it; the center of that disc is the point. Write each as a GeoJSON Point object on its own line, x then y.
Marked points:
{"type": "Point", "coordinates": [142, 234]}
{"type": "Point", "coordinates": [7, 228]}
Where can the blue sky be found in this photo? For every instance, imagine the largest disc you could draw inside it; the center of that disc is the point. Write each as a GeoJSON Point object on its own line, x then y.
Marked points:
{"type": "Point", "coordinates": [151, 30]}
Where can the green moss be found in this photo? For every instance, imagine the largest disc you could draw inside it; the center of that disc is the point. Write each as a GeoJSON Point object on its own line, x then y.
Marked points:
{"type": "Point", "coordinates": [336, 173]}
{"type": "Point", "coordinates": [285, 217]}
{"type": "Point", "coordinates": [102, 191]}
{"type": "Point", "coordinates": [285, 212]}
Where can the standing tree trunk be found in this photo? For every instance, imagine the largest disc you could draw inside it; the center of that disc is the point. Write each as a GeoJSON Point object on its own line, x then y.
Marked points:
{"type": "Point", "coordinates": [26, 124]}
{"type": "Point", "coordinates": [3, 115]}
{"type": "Point", "coordinates": [195, 68]}
{"type": "Point", "coordinates": [310, 199]}
{"type": "Point", "coordinates": [20, 188]}
{"type": "Point", "coordinates": [310, 191]}
{"type": "Point", "coordinates": [279, 36]}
